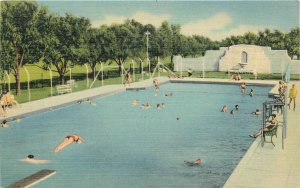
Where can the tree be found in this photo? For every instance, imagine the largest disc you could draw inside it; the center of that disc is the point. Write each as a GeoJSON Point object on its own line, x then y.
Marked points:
{"type": "Point", "coordinates": [292, 42]}
{"type": "Point", "coordinates": [161, 41]}
{"type": "Point", "coordinates": [66, 42]}
{"type": "Point", "coordinates": [97, 50]}
{"type": "Point", "coordinates": [123, 42]}
{"type": "Point", "coordinates": [20, 32]}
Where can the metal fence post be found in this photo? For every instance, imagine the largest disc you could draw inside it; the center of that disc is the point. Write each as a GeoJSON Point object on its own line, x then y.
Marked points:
{"type": "Point", "coordinates": [28, 84]}
{"type": "Point", "coordinates": [87, 75]}
{"type": "Point", "coordinates": [51, 88]}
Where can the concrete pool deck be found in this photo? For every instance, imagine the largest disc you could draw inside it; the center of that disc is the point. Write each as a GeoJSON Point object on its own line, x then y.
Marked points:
{"type": "Point", "coordinates": [266, 166]}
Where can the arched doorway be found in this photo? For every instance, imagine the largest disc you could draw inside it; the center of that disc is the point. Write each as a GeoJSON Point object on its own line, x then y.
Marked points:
{"type": "Point", "coordinates": [244, 57]}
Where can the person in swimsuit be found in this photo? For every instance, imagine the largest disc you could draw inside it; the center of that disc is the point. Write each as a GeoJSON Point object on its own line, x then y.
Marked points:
{"type": "Point", "coordinates": [243, 88]}
{"type": "Point", "coordinates": [193, 163]}
{"type": "Point", "coordinates": [155, 82]}
{"type": "Point", "coordinates": [69, 140]}
{"type": "Point", "coordinates": [257, 112]}
{"type": "Point", "coordinates": [224, 108]}
{"type": "Point", "coordinates": [251, 93]}
{"type": "Point", "coordinates": [135, 102]}
{"type": "Point", "coordinates": [270, 124]}
{"type": "Point", "coordinates": [31, 159]}
{"type": "Point", "coordinates": [4, 124]}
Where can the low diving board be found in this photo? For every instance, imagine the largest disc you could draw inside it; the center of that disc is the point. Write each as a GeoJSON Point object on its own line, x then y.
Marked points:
{"type": "Point", "coordinates": [33, 179]}
{"type": "Point", "coordinates": [135, 88]}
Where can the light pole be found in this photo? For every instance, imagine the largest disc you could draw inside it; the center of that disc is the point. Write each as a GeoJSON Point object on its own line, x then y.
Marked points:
{"type": "Point", "coordinates": [147, 33]}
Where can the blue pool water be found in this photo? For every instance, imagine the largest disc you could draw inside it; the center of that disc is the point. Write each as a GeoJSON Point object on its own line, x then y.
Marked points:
{"type": "Point", "coordinates": [130, 147]}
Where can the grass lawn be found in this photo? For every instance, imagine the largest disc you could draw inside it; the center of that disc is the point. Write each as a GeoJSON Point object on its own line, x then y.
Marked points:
{"type": "Point", "coordinates": [40, 78]}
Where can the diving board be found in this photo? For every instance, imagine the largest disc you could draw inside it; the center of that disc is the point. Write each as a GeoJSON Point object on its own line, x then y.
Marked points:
{"type": "Point", "coordinates": [135, 88]}
{"type": "Point", "coordinates": [33, 179]}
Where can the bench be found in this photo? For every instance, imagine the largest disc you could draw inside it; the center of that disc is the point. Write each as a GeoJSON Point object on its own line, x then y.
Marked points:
{"type": "Point", "coordinates": [272, 132]}
{"type": "Point", "coordinates": [72, 83]}
{"type": "Point", "coordinates": [61, 89]}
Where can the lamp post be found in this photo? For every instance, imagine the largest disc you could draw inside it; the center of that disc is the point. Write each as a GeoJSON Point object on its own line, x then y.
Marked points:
{"type": "Point", "coordinates": [147, 33]}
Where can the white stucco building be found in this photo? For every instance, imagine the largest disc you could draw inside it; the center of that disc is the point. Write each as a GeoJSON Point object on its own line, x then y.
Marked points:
{"type": "Point", "coordinates": [240, 58]}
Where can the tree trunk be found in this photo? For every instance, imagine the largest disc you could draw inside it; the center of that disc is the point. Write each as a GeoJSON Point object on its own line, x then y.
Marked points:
{"type": "Point", "coordinates": [120, 70]}
{"type": "Point", "coordinates": [61, 78]}
{"type": "Point", "coordinates": [140, 67]}
{"type": "Point", "coordinates": [18, 82]}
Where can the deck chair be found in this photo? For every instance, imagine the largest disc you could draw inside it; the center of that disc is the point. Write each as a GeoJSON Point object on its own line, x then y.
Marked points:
{"type": "Point", "coordinates": [272, 132]}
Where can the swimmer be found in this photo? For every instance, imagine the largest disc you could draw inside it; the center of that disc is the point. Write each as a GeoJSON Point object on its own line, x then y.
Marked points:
{"type": "Point", "coordinates": [4, 124]}
{"type": "Point", "coordinates": [135, 102]}
{"type": "Point", "coordinates": [257, 112]}
{"type": "Point", "coordinates": [31, 159]}
{"type": "Point", "coordinates": [90, 101]}
{"type": "Point", "coordinates": [69, 140]}
{"type": "Point", "coordinates": [243, 87]}
{"type": "Point", "coordinates": [232, 112]}
{"type": "Point", "coordinates": [79, 102]}
{"type": "Point", "coordinates": [193, 163]}
{"type": "Point", "coordinates": [143, 106]}
{"type": "Point", "coordinates": [169, 94]}
{"type": "Point", "coordinates": [177, 118]}
{"type": "Point", "coordinates": [162, 105]}
{"type": "Point", "coordinates": [251, 93]}
{"type": "Point", "coordinates": [237, 107]}
{"type": "Point", "coordinates": [158, 106]}
{"type": "Point", "coordinates": [148, 105]}
{"type": "Point", "coordinates": [224, 108]}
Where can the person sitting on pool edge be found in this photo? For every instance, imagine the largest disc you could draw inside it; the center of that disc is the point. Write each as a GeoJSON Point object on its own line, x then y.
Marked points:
{"type": "Point", "coordinates": [69, 140]}
{"type": "Point", "coordinates": [31, 159]}
{"type": "Point", "coordinates": [271, 123]}
{"type": "Point", "coordinates": [193, 163]}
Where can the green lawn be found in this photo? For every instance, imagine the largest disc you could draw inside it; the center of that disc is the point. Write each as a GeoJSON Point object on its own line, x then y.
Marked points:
{"type": "Point", "coordinates": [40, 79]}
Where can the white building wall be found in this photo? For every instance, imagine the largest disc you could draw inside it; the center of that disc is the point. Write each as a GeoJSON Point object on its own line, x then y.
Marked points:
{"type": "Point", "coordinates": [295, 66]}
{"type": "Point", "coordinates": [260, 59]}
{"type": "Point", "coordinates": [256, 58]}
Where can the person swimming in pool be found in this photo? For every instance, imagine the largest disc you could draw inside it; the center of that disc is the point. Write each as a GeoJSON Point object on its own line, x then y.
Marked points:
{"type": "Point", "coordinates": [251, 93]}
{"type": "Point", "coordinates": [135, 102]}
{"type": "Point", "coordinates": [69, 140]}
{"type": "Point", "coordinates": [243, 87]}
{"type": "Point", "coordinates": [237, 107]}
{"type": "Point", "coordinates": [224, 108]}
{"type": "Point", "coordinates": [31, 159]}
{"type": "Point", "coordinates": [257, 112]}
{"type": "Point", "coordinates": [193, 163]}
{"type": "Point", "coordinates": [158, 106]}
{"type": "Point", "coordinates": [232, 112]}
{"type": "Point", "coordinates": [4, 124]}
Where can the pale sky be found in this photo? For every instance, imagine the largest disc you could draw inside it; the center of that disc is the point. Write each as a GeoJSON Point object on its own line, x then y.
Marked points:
{"type": "Point", "coordinates": [213, 19]}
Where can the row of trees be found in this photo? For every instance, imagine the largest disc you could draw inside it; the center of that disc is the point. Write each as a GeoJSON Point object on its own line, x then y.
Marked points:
{"type": "Point", "coordinates": [30, 34]}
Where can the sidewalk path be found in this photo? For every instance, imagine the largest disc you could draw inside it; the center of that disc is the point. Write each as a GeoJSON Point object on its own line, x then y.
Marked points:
{"type": "Point", "coordinates": [270, 166]}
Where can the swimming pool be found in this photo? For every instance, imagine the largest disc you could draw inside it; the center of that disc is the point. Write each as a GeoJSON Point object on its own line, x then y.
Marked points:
{"type": "Point", "coordinates": [130, 147]}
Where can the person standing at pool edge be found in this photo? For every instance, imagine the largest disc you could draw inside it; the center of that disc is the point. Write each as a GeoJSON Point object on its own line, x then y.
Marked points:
{"type": "Point", "coordinates": [69, 140]}
{"type": "Point", "coordinates": [292, 95]}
